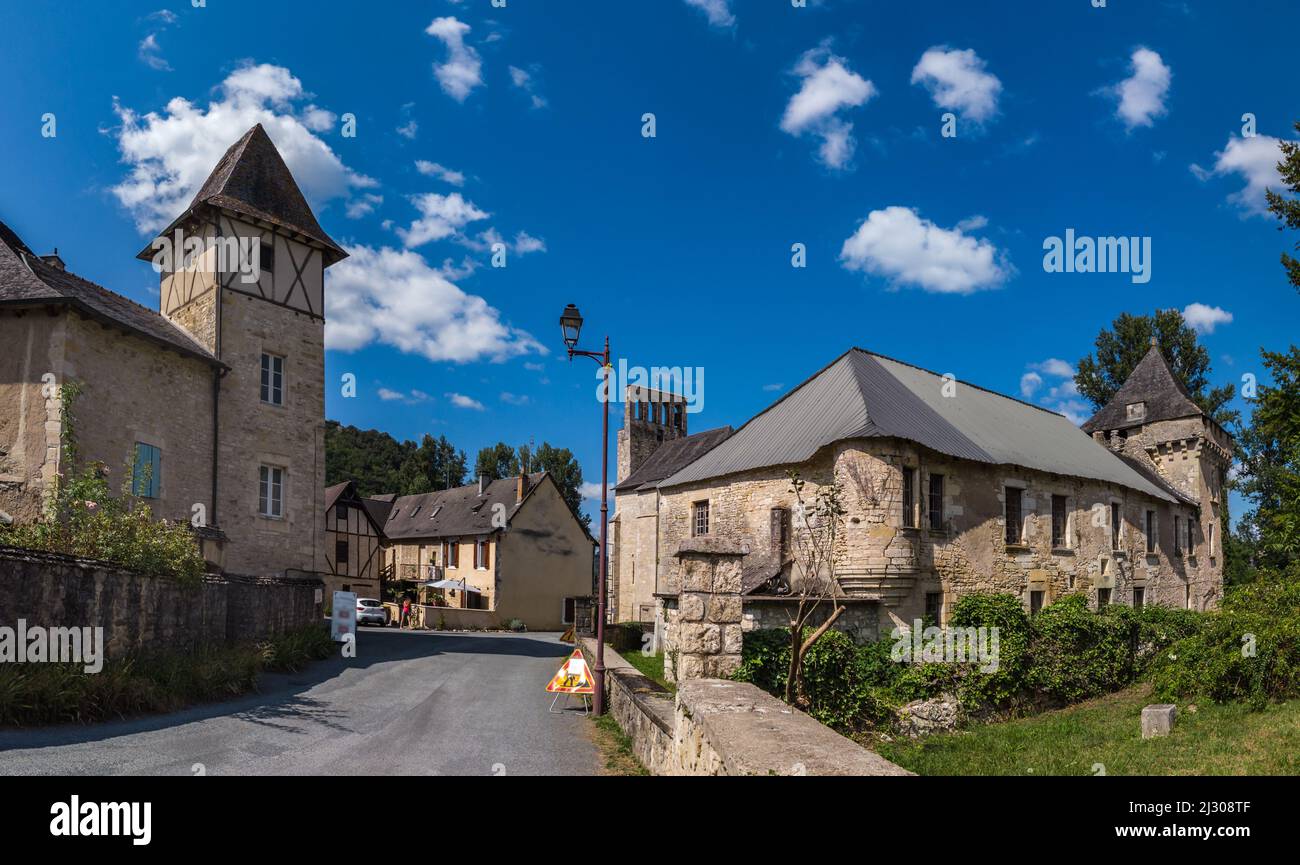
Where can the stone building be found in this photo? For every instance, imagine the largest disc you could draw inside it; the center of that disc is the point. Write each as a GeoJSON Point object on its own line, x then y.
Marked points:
{"type": "Point", "coordinates": [214, 404]}
{"type": "Point", "coordinates": [949, 489]}
{"type": "Point", "coordinates": [514, 546]}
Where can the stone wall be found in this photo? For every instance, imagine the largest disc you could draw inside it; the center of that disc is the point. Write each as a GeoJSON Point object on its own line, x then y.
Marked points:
{"type": "Point", "coordinates": [140, 613]}
{"type": "Point", "coordinates": [860, 620]}
{"type": "Point", "coordinates": [719, 727]}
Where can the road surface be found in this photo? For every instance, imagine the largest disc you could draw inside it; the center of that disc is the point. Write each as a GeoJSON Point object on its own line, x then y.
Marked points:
{"type": "Point", "coordinates": [411, 703]}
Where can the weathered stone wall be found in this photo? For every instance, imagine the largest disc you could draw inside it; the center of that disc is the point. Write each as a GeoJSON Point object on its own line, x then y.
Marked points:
{"type": "Point", "coordinates": [705, 637]}
{"type": "Point", "coordinates": [140, 613]}
{"type": "Point", "coordinates": [878, 558]}
{"type": "Point", "coordinates": [634, 564]}
{"type": "Point", "coordinates": [29, 418]}
{"type": "Point", "coordinates": [860, 620]}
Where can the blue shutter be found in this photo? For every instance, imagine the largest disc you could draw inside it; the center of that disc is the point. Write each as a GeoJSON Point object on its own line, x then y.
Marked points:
{"type": "Point", "coordinates": [155, 476]}
{"type": "Point", "coordinates": [137, 474]}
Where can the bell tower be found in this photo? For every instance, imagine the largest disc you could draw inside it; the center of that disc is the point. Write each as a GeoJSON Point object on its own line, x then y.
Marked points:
{"type": "Point", "coordinates": [246, 280]}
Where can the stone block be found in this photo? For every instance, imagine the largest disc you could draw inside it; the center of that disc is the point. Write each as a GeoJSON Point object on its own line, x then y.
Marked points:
{"type": "Point", "coordinates": [724, 609]}
{"type": "Point", "coordinates": [733, 638]}
{"type": "Point", "coordinates": [1158, 720]}
{"type": "Point", "coordinates": [699, 639]}
{"type": "Point", "coordinates": [691, 607]}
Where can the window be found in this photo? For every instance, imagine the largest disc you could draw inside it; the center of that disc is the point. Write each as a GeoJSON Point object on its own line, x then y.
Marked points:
{"type": "Point", "coordinates": [1209, 536]}
{"type": "Point", "coordinates": [1103, 598]}
{"type": "Point", "coordinates": [451, 554]}
{"type": "Point", "coordinates": [270, 492]}
{"type": "Point", "coordinates": [570, 611]}
{"type": "Point", "coordinates": [1191, 537]}
{"type": "Point", "coordinates": [1178, 541]}
{"type": "Point", "coordinates": [481, 555]}
{"type": "Point", "coordinates": [1114, 525]}
{"type": "Point", "coordinates": [1136, 410]}
{"type": "Point", "coordinates": [1139, 597]}
{"type": "Point", "coordinates": [1035, 602]}
{"type": "Point", "coordinates": [267, 263]}
{"type": "Point", "coordinates": [146, 476]}
{"type": "Point", "coordinates": [700, 525]}
{"type": "Point", "coordinates": [1059, 521]}
{"type": "Point", "coordinates": [1015, 500]}
{"type": "Point", "coordinates": [934, 607]}
{"type": "Point", "coordinates": [272, 379]}
{"type": "Point", "coordinates": [341, 512]}
{"type": "Point", "coordinates": [780, 526]}
{"type": "Point", "coordinates": [1151, 532]}
{"type": "Point", "coordinates": [936, 502]}
{"type": "Point", "coordinates": [340, 554]}
{"type": "Point", "coordinates": [909, 497]}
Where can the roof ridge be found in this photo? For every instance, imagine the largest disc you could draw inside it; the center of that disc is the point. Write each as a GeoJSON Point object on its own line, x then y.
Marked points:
{"type": "Point", "coordinates": [958, 380]}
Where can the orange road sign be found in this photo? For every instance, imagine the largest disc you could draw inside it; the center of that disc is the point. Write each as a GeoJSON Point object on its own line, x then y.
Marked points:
{"type": "Point", "coordinates": [569, 636]}
{"type": "Point", "coordinates": [573, 677]}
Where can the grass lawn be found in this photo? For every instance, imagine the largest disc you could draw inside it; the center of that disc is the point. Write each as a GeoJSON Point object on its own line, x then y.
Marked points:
{"type": "Point", "coordinates": [1213, 740]}
{"type": "Point", "coordinates": [615, 747]}
{"type": "Point", "coordinates": [650, 666]}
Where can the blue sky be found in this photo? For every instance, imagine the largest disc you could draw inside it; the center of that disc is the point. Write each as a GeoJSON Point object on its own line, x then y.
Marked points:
{"type": "Point", "coordinates": [775, 125]}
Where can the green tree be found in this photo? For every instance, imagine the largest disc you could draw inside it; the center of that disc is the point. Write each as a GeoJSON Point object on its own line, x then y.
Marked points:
{"type": "Point", "coordinates": [435, 465]}
{"type": "Point", "coordinates": [567, 473]}
{"type": "Point", "coordinates": [496, 462]}
{"type": "Point", "coordinates": [1120, 349]}
{"type": "Point", "coordinates": [1269, 473]}
{"type": "Point", "coordinates": [1287, 209]}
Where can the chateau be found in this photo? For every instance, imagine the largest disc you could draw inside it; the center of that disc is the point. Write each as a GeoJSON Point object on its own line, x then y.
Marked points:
{"type": "Point", "coordinates": [949, 489]}
{"type": "Point", "coordinates": [215, 404]}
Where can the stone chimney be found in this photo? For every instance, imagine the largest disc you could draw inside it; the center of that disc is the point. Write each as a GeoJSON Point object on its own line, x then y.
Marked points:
{"type": "Point", "coordinates": [522, 488]}
{"type": "Point", "coordinates": [54, 261]}
{"type": "Point", "coordinates": [482, 484]}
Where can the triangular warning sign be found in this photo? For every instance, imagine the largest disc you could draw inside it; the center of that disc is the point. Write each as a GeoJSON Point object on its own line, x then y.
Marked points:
{"type": "Point", "coordinates": [573, 678]}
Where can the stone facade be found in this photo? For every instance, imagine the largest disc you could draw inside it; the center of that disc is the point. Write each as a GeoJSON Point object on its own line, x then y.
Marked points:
{"type": "Point", "coordinates": [704, 637]}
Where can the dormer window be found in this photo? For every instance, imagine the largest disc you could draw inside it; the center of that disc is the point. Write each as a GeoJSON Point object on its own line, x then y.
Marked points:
{"type": "Point", "coordinates": [1136, 411]}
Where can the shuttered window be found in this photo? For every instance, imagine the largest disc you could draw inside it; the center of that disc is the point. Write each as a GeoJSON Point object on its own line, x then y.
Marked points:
{"type": "Point", "coordinates": [1015, 497]}
{"type": "Point", "coordinates": [909, 497]}
{"type": "Point", "coordinates": [1059, 512]}
{"type": "Point", "coordinates": [780, 526]}
{"type": "Point", "coordinates": [936, 502]}
{"type": "Point", "coordinates": [146, 476]}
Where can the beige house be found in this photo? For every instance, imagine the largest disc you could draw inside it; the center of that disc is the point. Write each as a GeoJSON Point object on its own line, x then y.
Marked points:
{"type": "Point", "coordinates": [949, 488]}
{"type": "Point", "coordinates": [215, 403]}
{"type": "Point", "coordinates": [353, 543]}
{"type": "Point", "coordinates": [504, 549]}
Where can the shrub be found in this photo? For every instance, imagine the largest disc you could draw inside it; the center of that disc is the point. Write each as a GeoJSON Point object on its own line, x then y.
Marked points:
{"type": "Point", "coordinates": [1078, 654]}
{"type": "Point", "coordinates": [1248, 651]}
{"type": "Point", "coordinates": [1005, 687]}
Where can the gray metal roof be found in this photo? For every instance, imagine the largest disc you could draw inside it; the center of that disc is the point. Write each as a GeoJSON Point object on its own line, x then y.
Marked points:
{"type": "Point", "coordinates": [864, 395]}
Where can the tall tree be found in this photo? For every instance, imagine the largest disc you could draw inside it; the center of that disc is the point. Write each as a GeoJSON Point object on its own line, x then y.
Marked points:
{"type": "Point", "coordinates": [496, 462]}
{"type": "Point", "coordinates": [435, 465]}
{"type": "Point", "coordinates": [566, 472]}
{"type": "Point", "coordinates": [1287, 209]}
{"type": "Point", "coordinates": [1120, 348]}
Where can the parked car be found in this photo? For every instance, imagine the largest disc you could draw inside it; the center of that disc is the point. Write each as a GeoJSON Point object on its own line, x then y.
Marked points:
{"type": "Point", "coordinates": [371, 612]}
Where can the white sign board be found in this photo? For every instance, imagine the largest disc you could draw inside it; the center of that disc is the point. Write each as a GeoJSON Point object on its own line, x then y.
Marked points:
{"type": "Point", "coordinates": [343, 624]}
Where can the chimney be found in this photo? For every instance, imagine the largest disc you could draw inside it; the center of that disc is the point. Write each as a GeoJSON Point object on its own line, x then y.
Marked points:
{"type": "Point", "coordinates": [482, 484]}
{"type": "Point", "coordinates": [522, 488]}
{"type": "Point", "coordinates": [54, 261]}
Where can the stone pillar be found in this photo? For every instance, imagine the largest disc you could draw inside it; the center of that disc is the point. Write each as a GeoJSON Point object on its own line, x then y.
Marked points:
{"type": "Point", "coordinates": [708, 634]}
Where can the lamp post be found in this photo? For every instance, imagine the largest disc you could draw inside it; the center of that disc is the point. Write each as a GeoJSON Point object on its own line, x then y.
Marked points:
{"type": "Point", "coordinates": [571, 325]}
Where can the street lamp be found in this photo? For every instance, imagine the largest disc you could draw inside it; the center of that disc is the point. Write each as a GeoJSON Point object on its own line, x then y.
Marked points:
{"type": "Point", "coordinates": [571, 326]}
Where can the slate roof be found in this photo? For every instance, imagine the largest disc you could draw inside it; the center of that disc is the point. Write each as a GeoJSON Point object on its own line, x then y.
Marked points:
{"type": "Point", "coordinates": [347, 492]}
{"type": "Point", "coordinates": [457, 512]}
{"type": "Point", "coordinates": [252, 179]}
{"type": "Point", "coordinates": [1151, 382]}
{"type": "Point", "coordinates": [673, 456]}
{"type": "Point", "coordinates": [865, 395]}
{"type": "Point", "coordinates": [379, 507]}
{"type": "Point", "coordinates": [26, 280]}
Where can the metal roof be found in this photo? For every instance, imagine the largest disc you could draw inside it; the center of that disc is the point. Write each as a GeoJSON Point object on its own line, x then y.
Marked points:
{"type": "Point", "coordinates": [865, 395]}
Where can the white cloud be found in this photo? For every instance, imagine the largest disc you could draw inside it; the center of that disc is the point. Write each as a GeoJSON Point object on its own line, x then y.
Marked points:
{"type": "Point", "coordinates": [828, 86]}
{"type": "Point", "coordinates": [526, 243]}
{"type": "Point", "coordinates": [1061, 397]}
{"type": "Point", "coordinates": [461, 401]}
{"type": "Point", "coordinates": [591, 491]}
{"type": "Point", "coordinates": [1142, 95]}
{"type": "Point", "coordinates": [409, 130]}
{"type": "Point", "coordinates": [463, 69]}
{"type": "Point", "coordinates": [1204, 319]}
{"type": "Point", "coordinates": [363, 205]}
{"type": "Point", "coordinates": [171, 153]}
{"type": "Point", "coordinates": [896, 243]}
{"type": "Point", "coordinates": [514, 399]}
{"type": "Point", "coordinates": [525, 81]}
{"type": "Point", "coordinates": [390, 395]}
{"type": "Point", "coordinates": [150, 54]}
{"type": "Point", "coordinates": [394, 297]}
{"type": "Point", "coordinates": [433, 169]}
{"type": "Point", "coordinates": [415, 397]}
{"type": "Point", "coordinates": [772, 388]}
{"type": "Point", "coordinates": [957, 80]}
{"type": "Point", "coordinates": [718, 12]}
{"type": "Point", "coordinates": [441, 216]}
{"type": "Point", "coordinates": [1254, 159]}
{"type": "Point", "coordinates": [1054, 366]}
{"type": "Point", "coordinates": [1030, 382]}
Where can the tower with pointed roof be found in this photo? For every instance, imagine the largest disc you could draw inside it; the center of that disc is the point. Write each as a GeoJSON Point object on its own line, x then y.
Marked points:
{"type": "Point", "coordinates": [246, 281]}
{"type": "Point", "coordinates": [1155, 425]}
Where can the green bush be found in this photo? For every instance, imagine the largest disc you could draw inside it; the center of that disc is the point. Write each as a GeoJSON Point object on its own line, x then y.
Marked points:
{"type": "Point", "coordinates": [1248, 651]}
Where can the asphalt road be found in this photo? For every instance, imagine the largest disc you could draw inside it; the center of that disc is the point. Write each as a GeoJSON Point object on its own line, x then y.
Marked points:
{"type": "Point", "coordinates": [411, 703]}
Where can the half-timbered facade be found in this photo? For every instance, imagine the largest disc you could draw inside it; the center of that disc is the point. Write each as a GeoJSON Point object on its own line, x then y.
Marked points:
{"type": "Point", "coordinates": [353, 543]}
